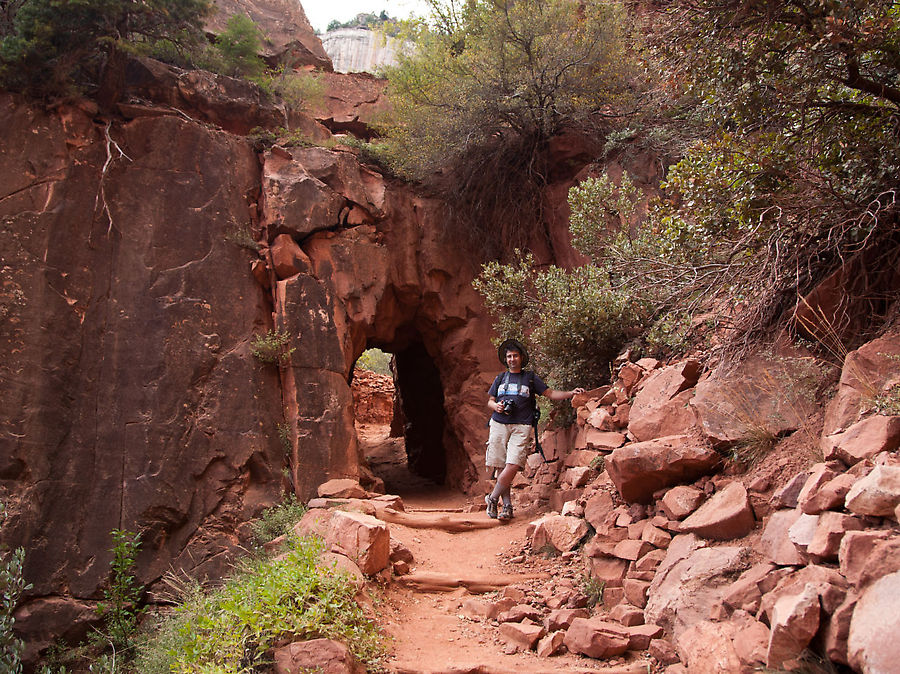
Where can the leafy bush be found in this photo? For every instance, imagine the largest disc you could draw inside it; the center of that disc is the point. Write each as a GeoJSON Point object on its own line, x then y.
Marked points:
{"type": "Point", "coordinates": [272, 347]}
{"type": "Point", "coordinates": [239, 46]}
{"type": "Point", "coordinates": [54, 46]}
{"type": "Point", "coordinates": [12, 585]}
{"type": "Point", "coordinates": [278, 520]}
{"type": "Point", "coordinates": [573, 323]}
{"type": "Point", "coordinates": [119, 607]}
{"type": "Point", "coordinates": [267, 602]}
{"type": "Point", "coordinates": [484, 89]}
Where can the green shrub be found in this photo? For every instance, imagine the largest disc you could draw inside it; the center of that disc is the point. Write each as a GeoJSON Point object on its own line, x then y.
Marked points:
{"type": "Point", "coordinates": [272, 347]}
{"type": "Point", "coordinates": [267, 602]}
{"type": "Point", "coordinates": [574, 323]}
{"type": "Point", "coordinates": [12, 585]}
{"type": "Point", "coordinates": [239, 45]}
{"type": "Point", "coordinates": [278, 520]}
{"type": "Point", "coordinates": [119, 607]}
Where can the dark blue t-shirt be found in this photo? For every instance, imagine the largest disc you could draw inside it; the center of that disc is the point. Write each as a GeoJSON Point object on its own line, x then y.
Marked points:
{"type": "Point", "coordinates": [516, 386]}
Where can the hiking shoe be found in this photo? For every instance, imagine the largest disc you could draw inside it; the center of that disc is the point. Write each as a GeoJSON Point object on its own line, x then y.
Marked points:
{"type": "Point", "coordinates": [505, 512]}
{"type": "Point", "coordinates": [491, 506]}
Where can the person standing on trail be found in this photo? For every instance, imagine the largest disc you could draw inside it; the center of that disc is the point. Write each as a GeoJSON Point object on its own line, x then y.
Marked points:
{"type": "Point", "coordinates": [512, 401]}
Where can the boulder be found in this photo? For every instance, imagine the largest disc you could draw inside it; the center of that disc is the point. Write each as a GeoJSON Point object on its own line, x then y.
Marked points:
{"type": "Point", "coordinates": [829, 496]}
{"type": "Point", "coordinates": [873, 646]}
{"type": "Point", "coordinates": [560, 619]}
{"type": "Point", "coordinates": [550, 645]}
{"type": "Point", "coordinates": [562, 533]}
{"type": "Point", "coordinates": [837, 631]}
{"type": "Point", "coordinates": [866, 556]}
{"type": "Point", "coordinates": [752, 400]}
{"type": "Point", "coordinates": [642, 468]}
{"type": "Point", "coordinates": [363, 538]}
{"type": "Point", "coordinates": [776, 544]}
{"type": "Point", "coordinates": [863, 440]}
{"type": "Point", "coordinates": [725, 516]}
{"type": "Point", "coordinates": [867, 371]}
{"type": "Point", "coordinates": [830, 530]}
{"type": "Point", "coordinates": [640, 636]}
{"type": "Point", "coordinates": [342, 488]}
{"type": "Point", "coordinates": [787, 496]}
{"type": "Point", "coordinates": [596, 638]}
{"type": "Point", "coordinates": [684, 592]}
{"type": "Point", "coordinates": [610, 571]}
{"type": "Point", "coordinates": [793, 623]}
{"type": "Point", "coordinates": [679, 502]}
{"type": "Point", "coordinates": [724, 648]}
{"type": "Point", "coordinates": [660, 407]}
{"type": "Point", "coordinates": [288, 258]}
{"type": "Point", "coordinates": [877, 494]}
{"type": "Point", "coordinates": [598, 508]}
{"type": "Point", "coordinates": [521, 636]}
{"type": "Point", "coordinates": [320, 655]}
{"type": "Point", "coordinates": [830, 586]}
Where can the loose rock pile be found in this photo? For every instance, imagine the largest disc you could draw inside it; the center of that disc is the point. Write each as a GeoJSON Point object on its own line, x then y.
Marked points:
{"type": "Point", "coordinates": [704, 567]}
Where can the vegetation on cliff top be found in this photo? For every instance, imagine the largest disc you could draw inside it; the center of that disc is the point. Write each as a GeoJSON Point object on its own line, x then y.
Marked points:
{"type": "Point", "coordinates": [488, 85]}
{"type": "Point", "coordinates": [788, 171]}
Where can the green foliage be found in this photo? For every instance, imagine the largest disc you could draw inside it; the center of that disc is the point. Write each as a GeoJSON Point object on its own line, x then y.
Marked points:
{"type": "Point", "coordinates": [119, 607]}
{"type": "Point", "coordinates": [241, 236]}
{"type": "Point", "coordinates": [797, 169]}
{"type": "Point", "coordinates": [265, 603]}
{"type": "Point", "coordinates": [277, 520]}
{"type": "Point", "coordinates": [54, 46]}
{"type": "Point", "coordinates": [573, 323]}
{"type": "Point", "coordinates": [239, 45]}
{"type": "Point", "coordinates": [272, 347]}
{"type": "Point", "coordinates": [593, 589]}
{"type": "Point", "coordinates": [485, 88]}
{"type": "Point", "coordinates": [301, 90]}
{"type": "Point", "coordinates": [375, 360]}
{"type": "Point", "coordinates": [363, 20]}
{"type": "Point", "coordinates": [12, 585]}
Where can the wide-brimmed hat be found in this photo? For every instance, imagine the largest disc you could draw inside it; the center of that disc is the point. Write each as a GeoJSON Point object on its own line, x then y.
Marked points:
{"type": "Point", "coordinates": [515, 345]}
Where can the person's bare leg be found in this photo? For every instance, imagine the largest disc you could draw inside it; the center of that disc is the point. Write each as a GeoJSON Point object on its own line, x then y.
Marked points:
{"type": "Point", "coordinates": [504, 480]}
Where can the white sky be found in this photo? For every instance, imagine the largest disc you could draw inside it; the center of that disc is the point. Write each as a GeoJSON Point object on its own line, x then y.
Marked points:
{"type": "Point", "coordinates": [321, 12]}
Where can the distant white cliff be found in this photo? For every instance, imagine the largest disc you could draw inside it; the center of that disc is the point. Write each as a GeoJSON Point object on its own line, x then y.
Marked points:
{"type": "Point", "coordinates": [354, 50]}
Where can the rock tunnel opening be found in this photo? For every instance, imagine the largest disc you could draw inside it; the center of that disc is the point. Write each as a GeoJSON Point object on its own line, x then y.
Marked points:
{"type": "Point", "coordinates": [408, 441]}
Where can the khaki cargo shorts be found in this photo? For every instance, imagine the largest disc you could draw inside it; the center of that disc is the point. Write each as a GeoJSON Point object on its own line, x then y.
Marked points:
{"type": "Point", "coordinates": [507, 443]}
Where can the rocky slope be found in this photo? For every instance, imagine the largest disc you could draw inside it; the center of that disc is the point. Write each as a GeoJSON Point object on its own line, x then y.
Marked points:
{"type": "Point", "coordinates": [703, 564]}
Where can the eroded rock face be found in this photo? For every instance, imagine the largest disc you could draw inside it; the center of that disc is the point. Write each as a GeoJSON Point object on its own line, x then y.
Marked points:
{"type": "Point", "coordinates": [129, 306]}
{"type": "Point", "coordinates": [289, 36]}
{"type": "Point", "coordinates": [132, 399]}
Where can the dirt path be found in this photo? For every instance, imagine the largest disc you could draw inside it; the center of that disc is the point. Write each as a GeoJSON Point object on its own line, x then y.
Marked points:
{"type": "Point", "coordinates": [423, 612]}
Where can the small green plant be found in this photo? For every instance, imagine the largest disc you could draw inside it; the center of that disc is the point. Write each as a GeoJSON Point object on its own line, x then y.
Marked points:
{"type": "Point", "coordinates": [240, 236]}
{"type": "Point", "coordinates": [12, 585]}
{"type": "Point", "coordinates": [598, 463]}
{"type": "Point", "coordinates": [284, 435]}
{"type": "Point", "coordinates": [593, 590]}
{"type": "Point", "coordinates": [888, 402]}
{"type": "Point", "coordinates": [272, 347]}
{"type": "Point", "coordinates": [239, 46]}
{"type": "Point", "coordinates": [267, 602]}
{"type": "Point", "coordinates": [119, 607]}
{"type": "Point", "coordinates": [300, 90]}
{"type": "Point", "coordinates": [277, 520]}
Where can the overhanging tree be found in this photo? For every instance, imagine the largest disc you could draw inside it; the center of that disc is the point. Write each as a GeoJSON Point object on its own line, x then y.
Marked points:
{"type": "Point", "coordinates": [56, 46]}
{"type": "Point", "coordinates": [490, 81]}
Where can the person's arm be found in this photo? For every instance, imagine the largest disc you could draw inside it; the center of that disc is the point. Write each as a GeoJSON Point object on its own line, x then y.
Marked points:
{"type": "Point", "coordinates": [553, 394]}
{"type": "Point", "coordinates": [493, 405]}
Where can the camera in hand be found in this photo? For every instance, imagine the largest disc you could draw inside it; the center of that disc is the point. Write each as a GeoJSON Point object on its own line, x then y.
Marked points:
{"type": "Point", "coordinates": [507, 406]}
